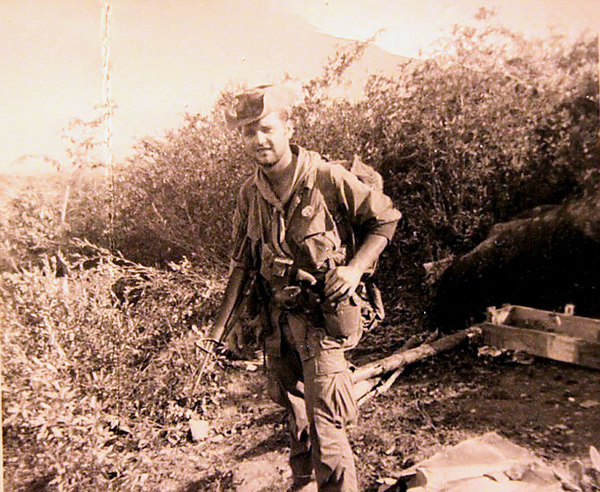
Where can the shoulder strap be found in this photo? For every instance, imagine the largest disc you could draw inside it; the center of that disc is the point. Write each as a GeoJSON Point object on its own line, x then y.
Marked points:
{"type": "Point", "coordinates": [324, 183]}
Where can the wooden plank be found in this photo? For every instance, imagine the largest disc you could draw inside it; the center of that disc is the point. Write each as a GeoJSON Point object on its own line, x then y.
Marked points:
{"type": "Point", "coordinates": [575, 326]}
{"type": "Point", "coordinates": [537, 319]}
{"type": "Point", "coordinates": [542, 343]}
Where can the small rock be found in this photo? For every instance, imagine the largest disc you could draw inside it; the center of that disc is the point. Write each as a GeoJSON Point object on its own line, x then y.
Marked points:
{"type": "Point", "coordinates": [577, 470]}
{"type": "Point", "coordinates": [589, 403]}
{"type": "Point", "coordinates": [218, 438]}
{"type": "Point", "coordinates": [390, 450]}
{"type": "Point", "coordinates": [595, 457]}
{"type": "Point", "coordinates": [387, 484]}
{"type": "Point", "coordinates": [199, 429]}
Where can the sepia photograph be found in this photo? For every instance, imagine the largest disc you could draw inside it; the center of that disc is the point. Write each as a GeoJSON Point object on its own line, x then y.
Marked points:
{"type": "Point", "coordinates": [300, 245]}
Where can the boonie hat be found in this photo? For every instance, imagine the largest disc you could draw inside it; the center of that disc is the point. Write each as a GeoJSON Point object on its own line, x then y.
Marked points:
{"type": "Point", "coordinates": [259, 101]}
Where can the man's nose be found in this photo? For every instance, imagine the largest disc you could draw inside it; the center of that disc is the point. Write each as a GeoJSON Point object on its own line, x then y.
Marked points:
{"type": "Point", "coordinates": [261, 138]}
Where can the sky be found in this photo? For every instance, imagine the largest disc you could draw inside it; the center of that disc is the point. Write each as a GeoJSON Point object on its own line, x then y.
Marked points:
{"type": "Point", "coordinates": [169, 57]}
{"type": "Point", "coordinates": [411, 25]}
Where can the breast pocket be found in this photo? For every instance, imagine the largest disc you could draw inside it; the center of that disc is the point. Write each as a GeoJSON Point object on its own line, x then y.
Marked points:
{"type": "Point", "coordinates": [316, 237]}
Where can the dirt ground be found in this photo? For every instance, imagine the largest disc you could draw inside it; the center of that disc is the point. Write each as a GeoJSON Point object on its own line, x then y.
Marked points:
{"type": "Point", "coordinates": [550, 408]}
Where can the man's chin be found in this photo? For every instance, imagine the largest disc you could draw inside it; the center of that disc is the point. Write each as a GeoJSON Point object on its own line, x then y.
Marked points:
{"type": "Point", "coordinates": [265, 165]}
{"type": "Point", "coordinates": [265, 161]}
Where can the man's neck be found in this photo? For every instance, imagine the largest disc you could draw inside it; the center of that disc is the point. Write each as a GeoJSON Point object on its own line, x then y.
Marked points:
{"type": "Point", "coordinates": [281, 175]}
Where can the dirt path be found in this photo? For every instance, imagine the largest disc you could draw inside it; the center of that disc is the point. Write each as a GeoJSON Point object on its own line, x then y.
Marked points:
{"type": "Point", "coordinates": [548, 407]}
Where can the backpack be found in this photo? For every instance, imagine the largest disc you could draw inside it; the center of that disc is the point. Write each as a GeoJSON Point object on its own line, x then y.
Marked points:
{"type": "Point", "coordinates": [364, 172]}
{"type": "Point", "coordinates": [372, 306]}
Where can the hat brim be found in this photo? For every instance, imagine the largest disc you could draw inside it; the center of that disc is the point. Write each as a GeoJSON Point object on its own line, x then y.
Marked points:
{"type": "Point", "coordinates": [274, 98]}
{"type": "Point", "coordinates": [233, 122]}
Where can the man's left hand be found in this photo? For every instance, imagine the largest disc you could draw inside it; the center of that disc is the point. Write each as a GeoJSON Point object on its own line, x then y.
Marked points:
{"type": "Point", "coordinates": [341, 282]}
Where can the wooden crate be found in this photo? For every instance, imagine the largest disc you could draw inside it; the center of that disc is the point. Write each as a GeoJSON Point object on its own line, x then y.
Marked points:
{"type": "Point", "coordinates": [558, 336]}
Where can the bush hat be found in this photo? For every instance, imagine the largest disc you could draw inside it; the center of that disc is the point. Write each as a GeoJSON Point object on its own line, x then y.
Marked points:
{"type": "Point", "coordinates": [258, 102]}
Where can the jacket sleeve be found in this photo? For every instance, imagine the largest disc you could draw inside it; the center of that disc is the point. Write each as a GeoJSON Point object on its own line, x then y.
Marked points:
{"type": "Point", "coordinates": [241, 249]}
{"type": "Point", "coordinates": [370, 211]}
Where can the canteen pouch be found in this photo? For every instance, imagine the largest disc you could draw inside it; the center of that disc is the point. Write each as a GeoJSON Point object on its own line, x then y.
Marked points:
{"type": "Point", "coordinates": [342, 319]}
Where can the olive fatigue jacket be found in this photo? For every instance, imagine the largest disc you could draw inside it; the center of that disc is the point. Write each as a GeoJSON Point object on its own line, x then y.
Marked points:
{"type": "Point", "coordinates": [321, 220]}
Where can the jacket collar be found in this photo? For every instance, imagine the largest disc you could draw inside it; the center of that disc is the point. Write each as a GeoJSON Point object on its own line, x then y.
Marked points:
{"type": "Point", "coordinates": [304, 176]}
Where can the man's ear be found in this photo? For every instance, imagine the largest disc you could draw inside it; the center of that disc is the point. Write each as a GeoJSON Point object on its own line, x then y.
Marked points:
{"type": "Point", "coordinates": [290, 128]}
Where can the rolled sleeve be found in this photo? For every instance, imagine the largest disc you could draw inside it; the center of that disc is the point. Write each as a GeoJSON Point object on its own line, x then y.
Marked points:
{"type": "Point", "coordinates": [241, 249]}
{"type": "Point", "coordinates": [386, 230]}
{"type": "Point", "coordinates": [371, 211]}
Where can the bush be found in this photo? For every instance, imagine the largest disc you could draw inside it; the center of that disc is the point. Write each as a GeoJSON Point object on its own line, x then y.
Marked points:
{"type": "Point", "coordinates": [92, 383]}
{"type": "Point", "coordinates": [29, 223]}
{"type": "Point", "coordinates": [38, 217]}
{"type": "Point", "coordinates": [175, 196]}
{"type": "Point", "coordinates": [489, 126]}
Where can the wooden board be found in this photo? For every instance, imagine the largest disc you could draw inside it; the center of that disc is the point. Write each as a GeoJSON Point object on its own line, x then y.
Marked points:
{"type": "Point", "coordinates": [543, 343]}
{"type": "Point", "coordinates": [537, 319]}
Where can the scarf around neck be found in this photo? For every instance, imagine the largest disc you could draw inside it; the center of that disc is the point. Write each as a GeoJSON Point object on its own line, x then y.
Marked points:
{"type": "Point", "coordinates": [305, 163]}
{"type": "Point", "coordinates": [275, 227]}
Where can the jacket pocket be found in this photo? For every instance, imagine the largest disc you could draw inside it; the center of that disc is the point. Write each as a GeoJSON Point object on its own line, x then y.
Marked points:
{"type": "Point", "coordinates": [317, 239]}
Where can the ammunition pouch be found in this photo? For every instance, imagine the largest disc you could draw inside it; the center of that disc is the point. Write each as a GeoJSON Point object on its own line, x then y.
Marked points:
{"type": "Point", "coordinates": [363, 310]}
{"type": "Point", "coordinates": [281, 278]}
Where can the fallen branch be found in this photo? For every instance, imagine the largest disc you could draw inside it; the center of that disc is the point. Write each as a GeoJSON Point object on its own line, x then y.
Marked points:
{"type": "Point", "coordinates": [402, 358]}
{"type": "Point", "coordinates": [368, 388]}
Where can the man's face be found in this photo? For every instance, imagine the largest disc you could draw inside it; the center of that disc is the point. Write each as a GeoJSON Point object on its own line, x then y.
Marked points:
{"type": "Point", "coordinates": [268, 139]}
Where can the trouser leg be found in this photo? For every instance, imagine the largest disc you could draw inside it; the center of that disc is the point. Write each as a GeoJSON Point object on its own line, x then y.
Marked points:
{"type": "Point", "coordinates": [285, 386]}
{"type": "Point", "coordinates": [300, 445]}
{"type": "Point", "coordinates": [307, 353]}
{"type": "Point", "coordinates": [331, 406]}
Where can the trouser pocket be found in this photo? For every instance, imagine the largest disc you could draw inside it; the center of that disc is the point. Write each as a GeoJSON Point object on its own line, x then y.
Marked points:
{"type": "Point", "coordinates": [329, 388]}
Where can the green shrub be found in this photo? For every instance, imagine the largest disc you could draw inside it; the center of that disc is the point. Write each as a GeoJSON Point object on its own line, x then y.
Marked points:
{"type": "Point", "coordinates": [91, 382]}
{"type": "Point", "coordinates": [490, 125]}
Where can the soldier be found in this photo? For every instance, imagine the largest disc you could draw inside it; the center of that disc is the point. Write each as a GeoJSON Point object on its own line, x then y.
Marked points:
{"type": "Point", "coordinates": [308, 232]}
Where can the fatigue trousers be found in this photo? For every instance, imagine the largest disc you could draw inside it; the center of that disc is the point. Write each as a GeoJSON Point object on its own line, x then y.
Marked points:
{"type": "Point", "coordinates": [309, 376]}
